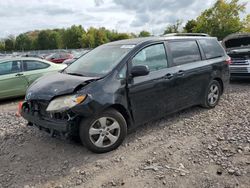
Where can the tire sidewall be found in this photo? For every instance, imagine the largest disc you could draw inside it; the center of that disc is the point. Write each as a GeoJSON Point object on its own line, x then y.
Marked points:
{"type": "Point", "coordinates": [85, 125]}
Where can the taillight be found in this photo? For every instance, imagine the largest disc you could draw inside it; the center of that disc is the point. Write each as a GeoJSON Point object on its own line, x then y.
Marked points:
{"type": "Point", "coordinates": [229, 61]}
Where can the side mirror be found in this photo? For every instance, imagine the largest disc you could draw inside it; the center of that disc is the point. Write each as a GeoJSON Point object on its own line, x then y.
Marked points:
{"type": "Point", "coordinates": [139, 70]}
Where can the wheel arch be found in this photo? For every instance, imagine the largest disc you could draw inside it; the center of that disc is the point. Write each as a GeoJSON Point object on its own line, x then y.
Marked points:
{"type": "Point", "coordinates": [220, 82]}
{"type": "Point", "coordinates": [120, 108]}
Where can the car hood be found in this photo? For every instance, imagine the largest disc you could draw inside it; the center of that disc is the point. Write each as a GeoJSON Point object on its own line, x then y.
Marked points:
{"type": "Point", "coordinates": [50, 86]}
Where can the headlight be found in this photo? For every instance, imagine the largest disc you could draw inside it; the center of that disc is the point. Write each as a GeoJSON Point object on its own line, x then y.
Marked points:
{"type": "Point", "coordinates": [65, 102]}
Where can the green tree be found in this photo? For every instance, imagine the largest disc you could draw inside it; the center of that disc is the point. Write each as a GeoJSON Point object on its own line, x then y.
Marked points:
{"type": "Point", "coordinates": [101, 37]}
{"type": "Point", "coordinates": [2, 46]}
{"type": "Point", "coordinates": [246, 24]}
{"type": "Point", "coordinates": [174, 28]}
{"type": "Point", "coordinates": [88, 40]}
{"type": "Point", "coordinates": [222, 19]}
{"type": "Point", "coordinates": [43, 40]}
{"type": "Point", "coordinates": [23, 42]}
{"type": "Point", "coordinates": [121, 36]}
{"type": "Point", "coordinates": [190, 26]}
{"type": "Point", "coordinates": [10, 43]}
{"type": "Point", "coordinates": [71, 37]}
{"type": "Point", "coordinates": [54, 40]}
{"type": "Point", "coordinates": [144, 34]}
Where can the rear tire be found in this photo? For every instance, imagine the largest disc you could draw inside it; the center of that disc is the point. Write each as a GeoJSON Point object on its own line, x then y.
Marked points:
{"type": "Point", "coordinates": [213, 94]}
{"type": "Point", "coordinates": [104, 132]}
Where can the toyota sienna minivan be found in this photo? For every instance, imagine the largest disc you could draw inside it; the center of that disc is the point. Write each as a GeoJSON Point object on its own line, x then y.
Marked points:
{"type": "Point", "coordinates": [120, 85]}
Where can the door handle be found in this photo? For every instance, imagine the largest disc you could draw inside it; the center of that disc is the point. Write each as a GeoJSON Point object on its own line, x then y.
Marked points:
{"type": "Point", "coordinates": [19, 74]}
{"type": "Point", "coordinates": [168, 76]}
{"type": "Point", "coordinates": [180, 73]}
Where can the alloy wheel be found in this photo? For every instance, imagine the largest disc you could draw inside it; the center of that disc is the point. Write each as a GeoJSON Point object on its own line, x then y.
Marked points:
{"type": "Point", "coordinates": [104, 132]}
{"type": "Point", "coordinates": [213, 94]}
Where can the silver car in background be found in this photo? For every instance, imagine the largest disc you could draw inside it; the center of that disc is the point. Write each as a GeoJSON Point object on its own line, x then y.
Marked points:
{"type": "Point", "coordinates": [238, 48]}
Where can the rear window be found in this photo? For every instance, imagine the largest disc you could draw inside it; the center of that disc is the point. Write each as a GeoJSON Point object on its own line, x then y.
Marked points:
{"type": "Point", "coordinates": [211, 48]}
{"type": "Point", "coordinates": [184, 52]}
{"type": "Point", "coordinates": [238, 42]}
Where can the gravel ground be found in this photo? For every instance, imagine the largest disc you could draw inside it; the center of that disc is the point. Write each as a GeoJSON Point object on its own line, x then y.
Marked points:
{"type": "Point", "coordinates": [193, 148]}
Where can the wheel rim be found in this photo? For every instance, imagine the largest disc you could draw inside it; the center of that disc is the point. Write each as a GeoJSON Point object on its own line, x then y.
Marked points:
{"type": "Point", "coordinates": [104, 132]}
{"type": "Point", "coordinates": [213, 94]}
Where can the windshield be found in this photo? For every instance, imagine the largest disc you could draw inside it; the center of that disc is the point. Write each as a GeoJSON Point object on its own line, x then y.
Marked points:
{"type": "Point", "coordinates": [99, 61]}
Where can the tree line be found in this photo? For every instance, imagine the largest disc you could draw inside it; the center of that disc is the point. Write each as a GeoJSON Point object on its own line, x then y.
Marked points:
{"type": "Point", "coordinates": [222, 19]}
{"type": "Point", "coordinates": [71, 38]}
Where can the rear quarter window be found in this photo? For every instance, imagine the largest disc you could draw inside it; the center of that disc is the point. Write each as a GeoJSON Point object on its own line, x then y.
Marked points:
{"type": "Point", "coordinates": [30, 65]}
{"type": "Point", "coordinates": [211, 48]}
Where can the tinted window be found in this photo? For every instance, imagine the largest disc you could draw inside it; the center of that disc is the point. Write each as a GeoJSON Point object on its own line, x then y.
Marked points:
{"type": "Point", "coordinates": [153, 56]}
{"type": "Point", "coordinates": [211, 48]}
{"type": "Point", "coordinates": [10, 67]}
{"type": "Point", "coordinates": [34, 65]}
{"type": "Point", "coordinates": [184, 52]}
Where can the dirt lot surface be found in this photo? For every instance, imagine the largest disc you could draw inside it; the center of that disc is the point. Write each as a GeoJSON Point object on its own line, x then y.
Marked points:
{"type": "Point", "coordinates": [193, 148]}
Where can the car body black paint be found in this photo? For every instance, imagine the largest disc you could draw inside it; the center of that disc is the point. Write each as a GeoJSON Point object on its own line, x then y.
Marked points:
{"type": "Point", "coordinates": [143, 98]}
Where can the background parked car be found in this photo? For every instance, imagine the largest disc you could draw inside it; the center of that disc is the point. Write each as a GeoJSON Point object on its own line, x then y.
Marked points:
{"type": "Point", "coordinates": [18, 73]}
{"type": "Point", "coordinates": [76, 55]}
{"type": "Point", "coordinates": [238, 48]}
{"type": "Point", "coordinates": [59, 57]}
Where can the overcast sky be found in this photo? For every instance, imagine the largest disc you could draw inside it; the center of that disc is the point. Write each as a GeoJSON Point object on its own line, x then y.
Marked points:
{"type": "Point", "coordinates": [17, 16]}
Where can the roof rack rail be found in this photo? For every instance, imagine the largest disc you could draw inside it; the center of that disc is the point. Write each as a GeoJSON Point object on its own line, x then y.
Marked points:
{"type": "Point", "coordinates": [187, 34]}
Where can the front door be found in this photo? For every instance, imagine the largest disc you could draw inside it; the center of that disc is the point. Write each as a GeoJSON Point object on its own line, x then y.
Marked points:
{"type": "Point", "coordinates": [12, 81]}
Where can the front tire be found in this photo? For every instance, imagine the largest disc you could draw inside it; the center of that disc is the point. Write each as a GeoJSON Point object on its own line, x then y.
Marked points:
{"type": "Point", "coordinates": [103, 133]}
{"type": "Point", "coordinates": [212, 95]}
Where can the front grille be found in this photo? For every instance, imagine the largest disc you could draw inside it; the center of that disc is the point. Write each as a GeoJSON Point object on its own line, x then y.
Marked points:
{"type": "Point", "coordinates": [39, 107]}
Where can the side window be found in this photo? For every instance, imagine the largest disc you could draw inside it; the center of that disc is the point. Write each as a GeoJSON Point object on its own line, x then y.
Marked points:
{"type": "Point", "coordinates": [211, 48]}
{"type": "Point", "coordinates": [153, 56]}
{"type": "Point", "coordinates": [10, 67]}
{"type": "Point", "coordinates": [184, 52]}
{"type": "Point", "coordinates": [34, 65]}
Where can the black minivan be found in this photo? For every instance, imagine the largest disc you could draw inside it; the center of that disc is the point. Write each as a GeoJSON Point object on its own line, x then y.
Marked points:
{"type": "Point", "coordinates": [120, 85]}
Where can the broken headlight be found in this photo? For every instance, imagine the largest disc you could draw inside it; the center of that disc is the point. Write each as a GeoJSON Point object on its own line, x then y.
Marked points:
{"type": "Point", "coordinates": [64, 103]}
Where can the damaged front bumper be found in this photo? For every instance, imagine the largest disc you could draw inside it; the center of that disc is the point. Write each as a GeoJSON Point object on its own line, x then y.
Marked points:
{"type": "Point", "coordinates": [59, 123]}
